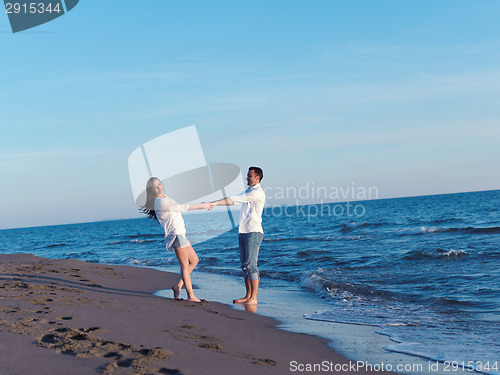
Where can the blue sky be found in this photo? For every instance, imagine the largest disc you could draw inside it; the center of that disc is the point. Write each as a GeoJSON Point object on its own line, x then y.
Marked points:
{"type": "Point", "coordinates": [404, 96]}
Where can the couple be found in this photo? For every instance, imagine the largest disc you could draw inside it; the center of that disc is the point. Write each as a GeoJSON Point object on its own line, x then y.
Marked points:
{"type": "Point", "coordinates": [168, 214]}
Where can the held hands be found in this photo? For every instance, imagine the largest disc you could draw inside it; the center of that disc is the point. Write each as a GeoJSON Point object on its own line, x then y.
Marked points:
{"type": "Point", "coordinates": [207, 205]}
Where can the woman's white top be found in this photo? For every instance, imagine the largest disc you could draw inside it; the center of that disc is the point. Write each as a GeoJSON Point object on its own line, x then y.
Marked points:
{"type": "Point", "coordinates": [168, 213]}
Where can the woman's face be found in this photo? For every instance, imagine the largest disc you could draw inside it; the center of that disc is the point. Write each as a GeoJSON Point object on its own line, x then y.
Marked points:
{"type": "Point", "coordinates": [157, 187]}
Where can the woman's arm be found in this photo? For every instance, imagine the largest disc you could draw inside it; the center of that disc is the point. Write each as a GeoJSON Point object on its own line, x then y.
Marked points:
{"type": "Point", "coordinates": [200, 206]}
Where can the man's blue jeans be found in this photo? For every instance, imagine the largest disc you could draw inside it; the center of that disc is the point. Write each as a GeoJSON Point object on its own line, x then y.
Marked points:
{"type": "Point", "coordinates": [249, 252]}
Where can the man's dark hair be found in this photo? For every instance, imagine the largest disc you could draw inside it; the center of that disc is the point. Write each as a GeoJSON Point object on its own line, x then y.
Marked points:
{"type": "Point", "coordinates": [258, 172]}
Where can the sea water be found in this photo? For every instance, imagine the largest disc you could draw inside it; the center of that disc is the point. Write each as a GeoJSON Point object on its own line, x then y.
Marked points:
{"type": "Point", "coordinates": [425, 271]}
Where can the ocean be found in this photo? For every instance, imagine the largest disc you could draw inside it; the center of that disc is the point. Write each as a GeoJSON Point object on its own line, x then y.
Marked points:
{"type": "Point", "coordinates": [424, 270]}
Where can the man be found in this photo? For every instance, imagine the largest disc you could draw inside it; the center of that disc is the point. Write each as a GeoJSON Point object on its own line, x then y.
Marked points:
{"type": "Point", "coordinates": [250, 232]}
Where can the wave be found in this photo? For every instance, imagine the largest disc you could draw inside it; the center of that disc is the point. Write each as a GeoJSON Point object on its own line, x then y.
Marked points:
{"type": "Point", "coordinates": [418, 231]}
{"type": "Point", "coordinates": [436, 254]}
{"type": "Point", "coordinates": [490, 255]}
{"type": "Point", "coordinates": [149, 262]}
{"type": "Point", "coordinates": [352, 226]}
{"type": "Point", "coordinates": [131, 241]}
{"type": "Point", "coordinates": [211, 261]}
{"type": "Point", "coordinates": [56, 245]}
{"type": "Point", "coordinates": [473, 230]}
{"type": "Point", "coordinates": [437, 221]}
{"type": "Point", "coordinates": [445, 221]}
{"type": "Point", "coordinates": [433, 229]}
{"type": "Point", "coordinates": [80, 255]}
{"type": "Point", "coordinates": [333, 320]}
{"type": "Point", "coordinates": [144, 235]}
{"type": "Point", "coordinates": [314, 238]}
{"type": "Point", "coordinates": [278, 275]}
{"type": "Point", "coordinates": [279, 239]}
{"type": "Point", "coordinates": [443, 301]}
{"type": "Point", "coordinates": [326, 283]}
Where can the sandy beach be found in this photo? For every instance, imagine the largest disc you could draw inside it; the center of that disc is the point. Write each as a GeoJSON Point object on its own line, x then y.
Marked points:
{"type": "Point", "coordinates": [69, 316]}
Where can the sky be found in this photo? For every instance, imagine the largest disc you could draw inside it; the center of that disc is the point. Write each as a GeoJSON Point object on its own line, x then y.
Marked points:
{"type": "Point", "coordinates": [400, 96]}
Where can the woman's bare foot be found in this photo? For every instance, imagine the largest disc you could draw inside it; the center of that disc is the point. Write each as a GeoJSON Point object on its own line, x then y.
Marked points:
{"type": "Point", "coordinates": [251, 308]}
{"type": "Point", "coordinates": [251, 301]}
{"type": "Point", "coordinates": [176, 290]}
{"type": "Point", "coordinates": [241, 300]}
{"type": "Point", "coordinates": [194, 299]}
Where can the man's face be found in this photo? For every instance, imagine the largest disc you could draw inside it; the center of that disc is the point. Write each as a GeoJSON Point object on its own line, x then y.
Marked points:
{"type": "Point", "coordinates": [252, 178]}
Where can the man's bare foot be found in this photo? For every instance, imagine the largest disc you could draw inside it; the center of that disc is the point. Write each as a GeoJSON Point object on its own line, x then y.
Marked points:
{"type": "Point", "coordinates": [251, 301]}
{"type": "Point", "coordinates": [176, 290]}
{"type": "Point", "coordinates": [194, 299]}
{"type": "Point", "coordinates": [241, 300]}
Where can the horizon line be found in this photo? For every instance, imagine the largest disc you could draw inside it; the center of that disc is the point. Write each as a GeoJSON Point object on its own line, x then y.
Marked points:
{"type": "Point", "coordinates": [267, 206]}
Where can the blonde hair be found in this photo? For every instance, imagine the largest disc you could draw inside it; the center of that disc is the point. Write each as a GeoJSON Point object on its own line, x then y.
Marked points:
{"type": "Point", "coordinates": [149, 207]}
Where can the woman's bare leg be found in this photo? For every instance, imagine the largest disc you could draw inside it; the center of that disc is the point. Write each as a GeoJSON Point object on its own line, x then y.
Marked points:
{"type": "Point", "coordinates": [188, 261]}
{"type": "Point", "coordinates": [178, 287]}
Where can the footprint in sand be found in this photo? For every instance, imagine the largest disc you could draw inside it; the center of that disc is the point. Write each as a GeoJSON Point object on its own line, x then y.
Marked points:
{"type": "Point", "coordinates": [82, 343]}
{"type": "Point", "coordinates": [127, 362]}
{"type": "Point", "coordinates": [112, 354]}
{"type": "Point", "coordinates": [169, 371]}
{"type": "Point", "coordinates": [79, 337]}
{"type": "Point", "coordinates": [210, 346]}
{"type": "Point", "coordinates": [49, 338]}
{"type": "Point", "coordinates": [90, 329]}
{"type": "Point", "coordinates": [266, 362]}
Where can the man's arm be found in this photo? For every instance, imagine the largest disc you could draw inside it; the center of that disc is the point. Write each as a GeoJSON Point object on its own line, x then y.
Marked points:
{"type": "Point", "coordinates": [222, 202]}
{"type": "Point", "coordinates": [246, 196]}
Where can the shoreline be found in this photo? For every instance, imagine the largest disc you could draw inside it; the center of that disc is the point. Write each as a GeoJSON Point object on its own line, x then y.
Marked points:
{"type": "Point", "coordinates": [62, 316]}
{"type": "Point", "coordinates": [287, 303]}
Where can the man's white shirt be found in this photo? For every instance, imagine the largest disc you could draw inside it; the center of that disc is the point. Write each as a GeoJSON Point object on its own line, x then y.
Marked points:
{"type": "Point", "coordinates": [252, 201]}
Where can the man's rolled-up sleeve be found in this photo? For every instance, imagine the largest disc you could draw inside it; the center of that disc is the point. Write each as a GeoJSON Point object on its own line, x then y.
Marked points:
{"type": "Point", "coordinates": [250, 196]}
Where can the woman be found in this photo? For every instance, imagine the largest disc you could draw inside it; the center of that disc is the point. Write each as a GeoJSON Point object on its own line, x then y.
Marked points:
{"type": "Point", "coordinates": [167, 212]}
